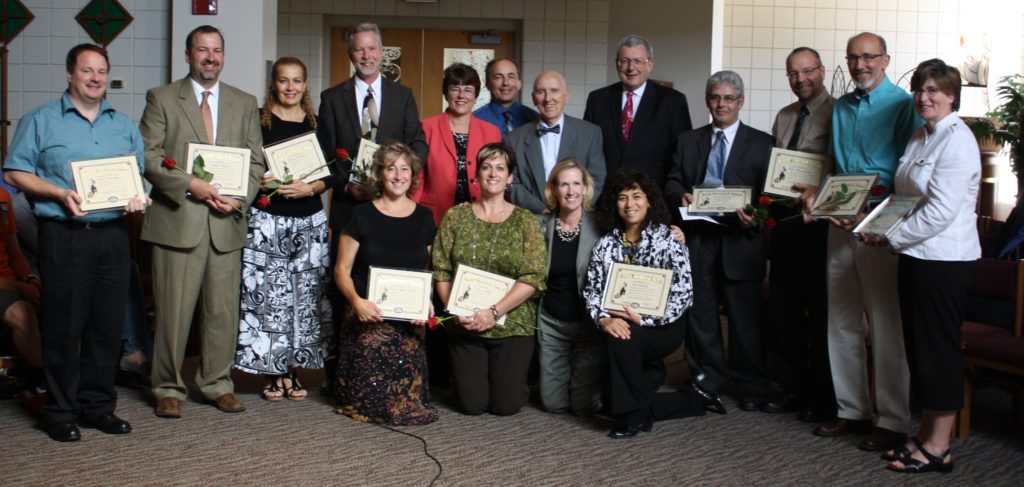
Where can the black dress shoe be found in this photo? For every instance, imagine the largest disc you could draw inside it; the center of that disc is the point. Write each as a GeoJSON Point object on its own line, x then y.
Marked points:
{"type": "Point", "coordinates": [750, 403]}
{"type": "Point", "coordinates": [629, 431]}
{"type": "Point", "coordinates": [109, 424]}
{"type": "Point", "coordinates": [814, 416]}
{"type": "Point", "coordinates": [785, 403]}
{"type": "Point", "coordinates": [711, 400]}
{"type": "Point", "coordinates": [64, 431]}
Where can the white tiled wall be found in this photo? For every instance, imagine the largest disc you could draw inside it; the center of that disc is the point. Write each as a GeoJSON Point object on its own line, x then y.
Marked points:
{"type": "Point", "coordinates": [569, 36]}
{"type": "Point", "coordinates": [138, 56]}
{"type": "Point", "coordinates": [759, 34]}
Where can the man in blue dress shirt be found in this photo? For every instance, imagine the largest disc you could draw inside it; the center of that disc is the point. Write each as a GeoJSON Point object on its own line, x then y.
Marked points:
{"type": "Point", "coordinates": [504, 110]}
{"type": "Point", "coordinates": [84, 258]}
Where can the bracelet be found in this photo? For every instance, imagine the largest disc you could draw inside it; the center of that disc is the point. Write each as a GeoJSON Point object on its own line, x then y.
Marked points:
{"type": "Point", "coordinates": [494, 311]}
{"type": "Point", "coordinates": [30, 278]}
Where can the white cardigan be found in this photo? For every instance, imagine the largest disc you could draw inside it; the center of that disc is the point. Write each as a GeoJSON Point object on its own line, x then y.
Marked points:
{"type": "Point", "coordinates": [945, 168]}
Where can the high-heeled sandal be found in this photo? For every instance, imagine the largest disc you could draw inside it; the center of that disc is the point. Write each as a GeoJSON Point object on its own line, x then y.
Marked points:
{"type": "Point", "coordinates": [295, 391]}
{"type": "Point", "coordinates": [272, 392]}
{"type": "Point", "coordinates": [934, 463]}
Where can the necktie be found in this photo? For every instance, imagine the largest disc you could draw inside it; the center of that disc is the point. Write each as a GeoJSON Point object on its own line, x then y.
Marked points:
{"type": "Point", "coordinates": [509, 127]}
{"type": "Point", "coordinates": [204, 109]}
{"type": "Point", "coordinates": [627, 116]}
{"type": "Point", "coordinates": [369, 122]}
{"type": "Point", "coordinates": [795, 138]}
{"type": "Point", "coordinates": [716, 161]}
{"type": "Point", "coordinates": [557, 129]}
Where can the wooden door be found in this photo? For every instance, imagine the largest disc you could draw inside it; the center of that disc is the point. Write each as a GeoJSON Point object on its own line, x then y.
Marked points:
{"type": "Point", "coordinates": [416, 58]}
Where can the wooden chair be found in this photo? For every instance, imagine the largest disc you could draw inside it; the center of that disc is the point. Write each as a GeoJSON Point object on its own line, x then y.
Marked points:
{"type": "Point", "coordinates": [994, 350]}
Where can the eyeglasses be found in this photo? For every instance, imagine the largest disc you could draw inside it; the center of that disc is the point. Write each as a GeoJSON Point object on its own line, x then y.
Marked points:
{"type": "Point", "coordinates": [867, 58]}
{"type": "Point", "coordinates": [456, 90]}
{"type": "Point", "coordinates": [625, 63]}
{"type": "Point", "coordinates": [729, 99]}
{"type": "Point", "coordinates": [805, 72]}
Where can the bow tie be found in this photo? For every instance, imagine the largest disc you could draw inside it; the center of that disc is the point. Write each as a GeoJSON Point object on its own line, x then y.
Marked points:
{"type": "Point", "coordinates": [557, 129]}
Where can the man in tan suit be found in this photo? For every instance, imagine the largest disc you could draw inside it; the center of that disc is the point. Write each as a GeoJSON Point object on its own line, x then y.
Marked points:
{"type": "Point", "coordinates": [197, 233]}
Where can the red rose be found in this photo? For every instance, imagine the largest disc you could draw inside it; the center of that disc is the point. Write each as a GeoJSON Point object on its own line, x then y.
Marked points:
{"type": "Point", "coordinates": [341, 154]}
{"type": "Point", "coordinates": [769, 223]}
{"type": "Point", "coordinates": [263, 202]}
{"type": "Point", "coordinates": [432, 323]}
{"type": "Point", "coordinates": [877, 190]}
{"type": "Point", "coordinates": [764, 200]}
{"type": "Point", "coordinates": [169, 163]}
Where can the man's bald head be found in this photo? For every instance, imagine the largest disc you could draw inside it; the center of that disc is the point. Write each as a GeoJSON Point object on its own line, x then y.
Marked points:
{"type": "Point", "coordinates": [550, 96]}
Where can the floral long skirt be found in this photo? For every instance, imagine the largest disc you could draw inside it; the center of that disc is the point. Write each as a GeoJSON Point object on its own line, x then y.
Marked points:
{"type": "Point", "coordinates": [285, 319]}
{"type": "Point", "coordinates": [382, 373]}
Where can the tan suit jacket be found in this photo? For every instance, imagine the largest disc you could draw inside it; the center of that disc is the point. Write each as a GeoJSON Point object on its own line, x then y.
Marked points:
{"type": "Point", "coordinates": [816, 129]}
{"type": "Point", "coordinates": [170, 122]}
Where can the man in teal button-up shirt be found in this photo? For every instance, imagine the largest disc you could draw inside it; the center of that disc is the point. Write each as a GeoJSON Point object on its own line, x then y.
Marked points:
{"type": "Point", "coordinates": [870, 128]}
{"type": "Point", "coordinates": [84, 258]}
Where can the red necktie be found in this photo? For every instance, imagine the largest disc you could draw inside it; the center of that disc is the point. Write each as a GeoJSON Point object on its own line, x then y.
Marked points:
{"type": "Point", "coordinates": [627, 116]}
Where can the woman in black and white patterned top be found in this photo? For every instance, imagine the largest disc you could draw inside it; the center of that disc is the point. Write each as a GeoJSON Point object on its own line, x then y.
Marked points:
{"type": "Point", "coordinates": [635, 217]}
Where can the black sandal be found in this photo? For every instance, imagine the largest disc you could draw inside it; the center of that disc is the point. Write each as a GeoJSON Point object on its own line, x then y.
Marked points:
{"type": "Point", "coordinates": [898, 454]}
{"type": "Point", "coordinates": [272, 392]}
{"type": "Point", "coordinates": [934, 463]}
{"type": "Point", "coordinates": [295, 392]}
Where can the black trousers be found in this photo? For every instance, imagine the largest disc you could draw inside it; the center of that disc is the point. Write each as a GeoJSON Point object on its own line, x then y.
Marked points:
{"type": "Point", "coordinates": [632, 395]}
{"type": "Point", "coordinates": [85, 276]}
{"type": "Point", "coordinates": [741, 300]}
{"type": "Point", "coordinates": [797, 338]}
{"type": "Point", "coordinates": [932, 298]}
{"type": "Point", "coordinates": [490, 373]}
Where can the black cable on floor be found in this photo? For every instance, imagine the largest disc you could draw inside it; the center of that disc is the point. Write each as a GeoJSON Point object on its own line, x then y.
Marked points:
{"type": "Point", "coordinates": [440, 469]}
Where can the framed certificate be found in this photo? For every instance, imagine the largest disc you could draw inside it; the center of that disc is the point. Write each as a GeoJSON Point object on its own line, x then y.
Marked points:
{"type": "Point", "coordinates": [474, 290]}
{"type": "Point", "coordinates": [888, 215]}
{"type": "Point", "coordinates": [787, 167]}
{"type": "Point", "coordinates": [108, 183]}
{"type": "Point", "coordinates": [644, 289]}
{"type": "Point", "coordinates": [229, 166]}
{"type": "Point", "coordinates": [363, 162]}
{"type": "Point", "coordinates": [843, 196]}
{"type": "Point", "coordinates": [300, 157]}
{"type": "Point", "coordinates": [720, 200]}
{"type": "Point", "coordinates": [400, 294]}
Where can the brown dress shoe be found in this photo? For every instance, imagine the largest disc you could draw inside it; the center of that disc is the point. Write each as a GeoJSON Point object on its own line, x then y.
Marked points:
{"type": "Point", "coordinates": [882, 439]}
{"type": "Point", "coordinates": [168, 407]}
{"type": "Point", "coordinates": [843, 427]}
{"type": "Point", "coordinates": [229, 403]}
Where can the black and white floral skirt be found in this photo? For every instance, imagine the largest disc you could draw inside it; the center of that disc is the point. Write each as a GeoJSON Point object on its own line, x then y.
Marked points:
{"type": "Point", "coordinates": [285, 317]}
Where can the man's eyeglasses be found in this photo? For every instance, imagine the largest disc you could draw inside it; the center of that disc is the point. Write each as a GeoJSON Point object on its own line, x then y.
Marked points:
{"type": "Point", "coordinates": [867, 58]}
{"type": "Point", "coordinates": [625, 63]}
{"type": "Point", "coordinates": [729, 99]}
{"type": "Point", "coordinates": [805, 72]}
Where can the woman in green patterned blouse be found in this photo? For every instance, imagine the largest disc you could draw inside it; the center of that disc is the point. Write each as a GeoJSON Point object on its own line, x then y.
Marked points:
{"type": "Point", "coordinates": [490, 361]}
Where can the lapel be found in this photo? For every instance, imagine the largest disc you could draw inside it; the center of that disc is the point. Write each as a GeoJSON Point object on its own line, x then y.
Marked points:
{"type": "Point", "coordinates": [703, 151]}
{"type": "Point", "coordinates": [349, 106]}
{"type": "Point", "coordinates": [735, 161]}
{"type": "Point", "coordinates": [588, 239]}
{"type": "Point", "coordinates": [615, 110]}
{"type": "Point", "coordinates": [647, 107]}
{"type": "Point", "coordinates": [448, 138]}
{"type": "Point", "coordinates": [548, 223]}
{"type": "Point", "coordinates": [534, 156]}
{"type": "Point", "coordinates": [189, 106]}
{"type": "Point", "coordinates": [567, 146]}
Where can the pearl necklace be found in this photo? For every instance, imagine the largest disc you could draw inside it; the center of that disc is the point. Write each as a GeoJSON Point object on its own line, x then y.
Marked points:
{"type": "Point", "coordinates": [570, 235]}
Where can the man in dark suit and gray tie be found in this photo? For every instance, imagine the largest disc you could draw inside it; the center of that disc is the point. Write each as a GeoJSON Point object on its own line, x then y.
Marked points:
{"type": "Point", "coordinates": [639, 121]}
{"type": "Point", "coordinates": [729, 259]}
{"type": "Point", "coordinates": [539, 145]}
{"type": "Point", "coordinates": [364, 106]}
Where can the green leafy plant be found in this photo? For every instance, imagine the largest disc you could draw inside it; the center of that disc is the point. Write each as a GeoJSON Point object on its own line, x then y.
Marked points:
{"type": "Point", "coordinates": [1003, 125]}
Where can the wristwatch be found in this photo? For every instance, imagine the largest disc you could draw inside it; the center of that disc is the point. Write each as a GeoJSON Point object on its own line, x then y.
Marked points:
{"type": "Point", "coordinates": [494, 311]}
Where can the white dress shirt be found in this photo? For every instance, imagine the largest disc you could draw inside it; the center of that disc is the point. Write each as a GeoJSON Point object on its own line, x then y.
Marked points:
{"type": "Point", "coordinates": [362, 88]}
{"type": "Point", "coordinates": [945, 168]}
{"type": "Point", "coordinates": [637, 95]}
{"type": "Point", "coordinates": [213, 101]}
{"type": "Point", "coordinates": [550, 143]}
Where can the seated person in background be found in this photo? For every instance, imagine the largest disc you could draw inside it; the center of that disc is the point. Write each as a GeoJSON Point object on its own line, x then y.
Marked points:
{"type": "Point", "coordinates": [19, 295]}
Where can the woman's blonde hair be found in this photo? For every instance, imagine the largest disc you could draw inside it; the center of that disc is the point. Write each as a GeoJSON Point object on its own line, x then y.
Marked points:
{"type": "Point", "coordinates": [551, 188]}
{"type": "Point", "coordinates": [386, 155]}
{"type": "Point", "coordinates": [270, 100]}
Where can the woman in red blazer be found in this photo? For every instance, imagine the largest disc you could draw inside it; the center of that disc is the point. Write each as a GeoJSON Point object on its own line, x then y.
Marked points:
{"type": "Point", "coordinates": [455, 136]}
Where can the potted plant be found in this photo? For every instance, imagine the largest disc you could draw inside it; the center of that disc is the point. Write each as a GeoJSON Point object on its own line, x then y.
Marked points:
{"type": "Point", "coordinates": [1003, 125]}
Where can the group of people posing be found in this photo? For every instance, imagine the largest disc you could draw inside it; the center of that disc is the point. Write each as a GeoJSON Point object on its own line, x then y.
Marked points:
{"type": "Point", "coordinates": [540, 197]}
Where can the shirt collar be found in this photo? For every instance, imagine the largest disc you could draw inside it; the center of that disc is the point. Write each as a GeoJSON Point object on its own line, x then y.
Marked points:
{"type": "Point", "coordinates": [639, 92]}
{"type": "Point", "coordinates": [198, 89]}
{"type": "Point", "coordinates": [817, 101]}
{"type": "Point", "coordinates": [946, 122]}
{"type": "Point", "coordinates": [879, 92]}
{"type": "Point", "coordinates": [561, 119]}
{"type": "Point", "coordinates": [362, 85]}
{"type": "Point", "coordinates": [730, 131]}
{"type": "Point", "coordinates": [67, 105]}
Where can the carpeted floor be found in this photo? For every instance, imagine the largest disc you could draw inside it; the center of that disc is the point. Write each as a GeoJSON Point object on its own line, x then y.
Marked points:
{"type": "Point", "coordinates": [305, 443]}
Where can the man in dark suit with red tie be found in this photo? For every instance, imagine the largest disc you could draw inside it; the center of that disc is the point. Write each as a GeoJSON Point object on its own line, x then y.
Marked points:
{"type": "Point", "coordinates": [729, 259]}
{"type": "Point", "coordinates": [639, 121]}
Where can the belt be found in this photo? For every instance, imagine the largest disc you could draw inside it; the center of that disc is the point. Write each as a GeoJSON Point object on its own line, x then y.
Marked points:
{"type": "Point", "coordinates": [80, 225]}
